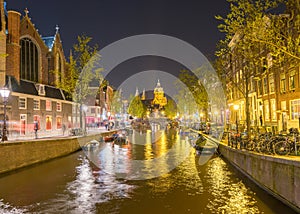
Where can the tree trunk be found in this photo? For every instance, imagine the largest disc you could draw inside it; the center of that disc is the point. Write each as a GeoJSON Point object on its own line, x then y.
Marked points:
{"type": "Point", "coordinates": [247, 105]}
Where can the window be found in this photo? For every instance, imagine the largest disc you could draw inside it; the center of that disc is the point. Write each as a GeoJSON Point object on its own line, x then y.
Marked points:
{"type": "Point", "coordinates": [292, 81]}
{"type": "Point", "coordinates": [22, 103]}
{"type": "Point", "coordinates": [28, 60]}
{"type": "Point", "coordinates": [48, 105]}
{"type": "Point", "coordinates": [93, 110]}
{"type": "Point", "coordinates": [260, 89]}
{"type": "Point", "coordinates": [48, 122]}
{"type": "Point", "coordinates": [36, 104]}
{"type": "Point", "coordinates": [282, 83]}
{"type": "Point", "coordinates": [267, 110]}
{"type": "Point", "coordinates": [295, 109]}
{"type": "Point", "coordinates": [265, 85]}
{"type": "Point", "coordinates": [273, 109]}
{"type": "Point", "coordinates": [58, 122]}
{"type": "Point", "coordinates": [58, 106]}
{"type": "Point", "coordinates": [271, 83]}
{"type": "Point", "coordinates": [41, 90]}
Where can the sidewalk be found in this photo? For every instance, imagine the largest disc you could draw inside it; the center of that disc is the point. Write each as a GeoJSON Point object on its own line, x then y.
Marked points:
{"type": "Point", "coordinates": [225, 143]}
{"type": "Point", "coordinates": [31, 136]}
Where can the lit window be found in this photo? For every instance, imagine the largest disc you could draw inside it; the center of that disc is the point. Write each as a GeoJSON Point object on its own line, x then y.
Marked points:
{"type": "Point", "coordinates": [273, 110]}
{"type": "Point", "coordinates": [295, 109]}
{"type": "Point", "coordinates": [48, 122]}
{"type": "Point", "coordinates": [22, 103]}
{"type": "Point", "coordinates": [58, 106]}
{"type": "Point", "coordinates": [58, 123]}
{"type": "Point", "coordinates": [267, 110]}
{"type": "Point", "coordinates": [36, 104]}
{"type": "Point", "coordinates": [48, 105]}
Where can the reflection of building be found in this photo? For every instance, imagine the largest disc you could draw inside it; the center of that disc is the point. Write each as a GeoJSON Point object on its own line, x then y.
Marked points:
{"type": "Point", "coordinates": [159, 100]}
{"type": "Point", "coordinates": [31, 66]}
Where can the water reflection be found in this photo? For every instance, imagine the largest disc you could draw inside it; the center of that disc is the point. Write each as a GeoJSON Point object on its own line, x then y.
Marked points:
{"type": "Point", "coordinates": [228, 196]}
{"type": "Point", "coordinates": [74, 184]}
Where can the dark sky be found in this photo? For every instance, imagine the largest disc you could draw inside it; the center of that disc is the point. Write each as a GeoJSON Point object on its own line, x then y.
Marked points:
{"type": "Point", "coordinates": [107, 21]}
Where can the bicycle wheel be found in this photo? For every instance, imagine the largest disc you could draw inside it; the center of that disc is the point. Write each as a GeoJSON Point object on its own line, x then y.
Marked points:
{"type": "Point", "coordinates": [281, 148]}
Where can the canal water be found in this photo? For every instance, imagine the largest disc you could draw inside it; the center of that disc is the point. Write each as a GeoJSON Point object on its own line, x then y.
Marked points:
{"type": "Point", "coordinates": [138, 177]}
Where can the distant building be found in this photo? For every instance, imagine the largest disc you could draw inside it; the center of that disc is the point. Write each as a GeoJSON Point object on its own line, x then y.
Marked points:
{"type": "Point", "coordinates": [159, 100]}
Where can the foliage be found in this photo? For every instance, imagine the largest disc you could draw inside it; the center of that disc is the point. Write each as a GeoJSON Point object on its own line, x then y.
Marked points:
{"type": "Point", "coordinates": [170, 109]}
{"type": "Point", "coordinates": [82, 69]}
{"type": "Point", "coordinates": [116, 103]}
{"type": "Point", "coordinates": [136, 107]}
{"type": "Point", "coordinates": [196, 90]}
{"type": "Point", "coordinates": [255, 39]}
{"type": "Point", "coordinates": [253, 24]}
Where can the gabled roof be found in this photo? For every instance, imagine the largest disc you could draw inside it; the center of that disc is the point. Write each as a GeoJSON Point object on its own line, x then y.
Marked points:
{"type": "Point", "coordinates": [27, 87]}
{"type": "Point", "coordinates": [24, 86]}
{"type": "Point", "coordinates": [53, 93]}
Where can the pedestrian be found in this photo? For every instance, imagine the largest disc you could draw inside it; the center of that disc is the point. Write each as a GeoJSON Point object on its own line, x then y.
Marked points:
{"type": "Point", "coordinates": [63, 129]}
{"type": "Point", "coordinates": [261, 120]}
{"type": "Point", "coordinates": [36, 128]}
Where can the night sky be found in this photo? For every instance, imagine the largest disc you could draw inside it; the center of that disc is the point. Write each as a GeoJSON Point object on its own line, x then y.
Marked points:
{"type": "Point", "coordinates": [107, 21]}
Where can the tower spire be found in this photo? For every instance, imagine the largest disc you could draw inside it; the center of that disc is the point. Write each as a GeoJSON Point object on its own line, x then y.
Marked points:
{"type": "Point", "coordinates": [143, 95]}
{"type": "Point", "coordinates": [56, 28]}
{"type": "Point", "coordinates": [137, 92]}
{"type": "Point", "coordinates": [26, 12]}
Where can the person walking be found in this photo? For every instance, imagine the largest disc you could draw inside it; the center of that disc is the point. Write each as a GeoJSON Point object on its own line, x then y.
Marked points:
{"type": "Point", "coordinates": [36, 128]}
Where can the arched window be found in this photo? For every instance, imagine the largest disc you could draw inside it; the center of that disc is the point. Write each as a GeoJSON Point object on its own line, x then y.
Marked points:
{"type": "Point", "coordinates": [29, 60]}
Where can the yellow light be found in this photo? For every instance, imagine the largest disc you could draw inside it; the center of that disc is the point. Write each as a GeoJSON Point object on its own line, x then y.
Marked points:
{"type": "Point", "coordinates": [236, 107]}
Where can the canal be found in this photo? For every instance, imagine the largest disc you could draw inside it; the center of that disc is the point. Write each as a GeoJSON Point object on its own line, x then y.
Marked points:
{"type": "Point", "coordinates": [150, 174]}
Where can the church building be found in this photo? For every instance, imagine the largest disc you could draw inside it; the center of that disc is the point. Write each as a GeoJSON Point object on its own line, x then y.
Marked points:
{"type": "Point", "coordinates": [31, 66]}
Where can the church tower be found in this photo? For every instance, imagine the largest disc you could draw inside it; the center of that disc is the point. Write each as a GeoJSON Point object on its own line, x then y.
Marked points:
{"type": "Point", "coordinates": [159, 96]}
{"type": "Point", "coordinates": [2, 43]}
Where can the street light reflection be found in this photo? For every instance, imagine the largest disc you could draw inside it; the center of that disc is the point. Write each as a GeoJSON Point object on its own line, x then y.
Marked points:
{"type": "Point", "coordinates": [228, 196]}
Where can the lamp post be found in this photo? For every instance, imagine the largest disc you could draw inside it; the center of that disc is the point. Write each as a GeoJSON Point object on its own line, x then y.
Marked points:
{"type": "Point", "coordinates": [236, 108]}
{"type": "Point", "coordinates": [5, 94]}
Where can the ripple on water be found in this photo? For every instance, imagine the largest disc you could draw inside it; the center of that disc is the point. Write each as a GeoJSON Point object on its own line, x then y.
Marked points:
{"type": "Point", "coordinates": [228, 194]}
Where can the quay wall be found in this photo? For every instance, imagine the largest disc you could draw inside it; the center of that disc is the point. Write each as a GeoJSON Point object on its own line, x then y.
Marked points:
{"type": "Point", "coordinates": [19, 154]}
{"type": "Point", "coordinates": [280, 176]}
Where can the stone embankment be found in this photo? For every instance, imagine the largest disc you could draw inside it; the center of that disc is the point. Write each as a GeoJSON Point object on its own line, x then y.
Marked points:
{"type": "Point", "coordinates": [19, 154]}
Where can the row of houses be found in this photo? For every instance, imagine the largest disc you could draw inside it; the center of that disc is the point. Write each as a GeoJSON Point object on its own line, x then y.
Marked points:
{"type": "Point", "coordinates": [273, 91]}
{"type": "Point", "coordinates": [27, 62]}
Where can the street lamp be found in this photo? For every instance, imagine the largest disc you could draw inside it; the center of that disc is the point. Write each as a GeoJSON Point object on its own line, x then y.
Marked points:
{"type": "Point", "coordinates": [5, 94]}
{"type": "Point", "coordinates": [236, 108]}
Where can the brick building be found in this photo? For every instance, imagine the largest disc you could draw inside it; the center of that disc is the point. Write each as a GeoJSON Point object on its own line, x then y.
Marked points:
{"type": "Point", "coordinates": [27, 65]}
{"type": "Point", "coordinates": [274, 91]}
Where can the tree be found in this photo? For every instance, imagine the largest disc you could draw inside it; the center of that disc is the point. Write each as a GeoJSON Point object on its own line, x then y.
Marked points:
{"type": "Point", "coordinates": [170, 109]}
{"type": "Point", "coordinates": [82, 70]}
{"type": "Point", "coordinates": [257, 25]}
{"type": "Point", "coordinates": [116, 103]}
{"type": "Point", "coordinates": [136, 107]}
{"type": "Point", "coordinates": [252, 36]}
{"type": "Point", "coordinates": [192, 96]}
